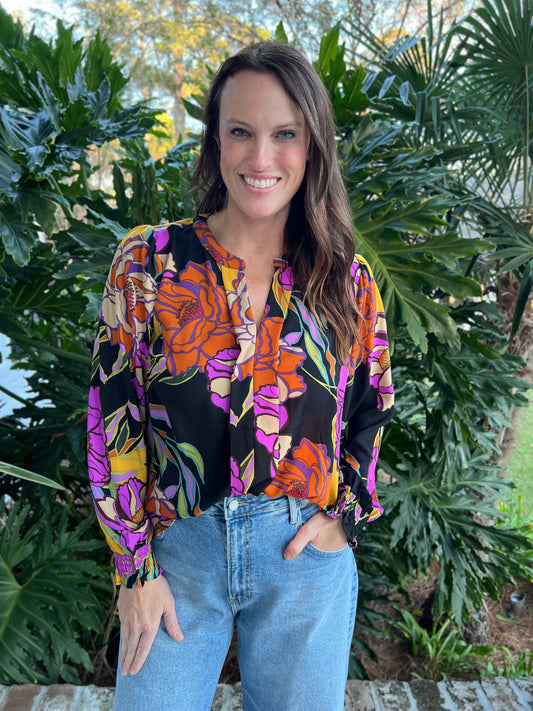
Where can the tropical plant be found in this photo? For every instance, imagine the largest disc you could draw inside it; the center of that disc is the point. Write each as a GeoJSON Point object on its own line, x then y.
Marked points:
{"type": "Point", "coordinates": [497, 56]}
{"type": "Point", "coordinates": [58, 101]}
{"type": "Point", "coordinates": [28, 476]}
{"type": "Point", "coordinates": [48, 602]}
{"type": "Point", "coordinates": [466, 92]}
{"type": "Point", "coordinates": [496, 53]}
{"type": "Point", "coordinates": [454, 383]}
{"type": "Point", "coordinates": [512, 667]}
{"type": "Point", "coordinates": [442, 650]}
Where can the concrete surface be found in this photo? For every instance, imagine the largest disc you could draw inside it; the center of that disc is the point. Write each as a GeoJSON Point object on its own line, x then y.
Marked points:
{"type": "Point", "coordinates": [418, 695]}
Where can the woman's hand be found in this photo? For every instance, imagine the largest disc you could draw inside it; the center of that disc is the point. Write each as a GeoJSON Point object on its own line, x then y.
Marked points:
{"type": "Point", "coordinates": [322, 531]}
{"type": "Point", "coordinates": [140, 611]}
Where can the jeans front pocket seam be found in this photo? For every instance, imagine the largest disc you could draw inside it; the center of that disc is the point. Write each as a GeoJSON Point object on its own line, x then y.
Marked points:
{"type": "Point", "coordinates": [319, 553]}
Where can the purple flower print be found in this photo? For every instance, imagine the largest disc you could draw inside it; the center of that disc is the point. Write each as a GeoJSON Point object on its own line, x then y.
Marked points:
{"type": "Point", "coordinates": [99, 473]}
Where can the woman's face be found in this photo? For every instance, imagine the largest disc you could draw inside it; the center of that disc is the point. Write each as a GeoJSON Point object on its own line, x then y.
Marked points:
{"type": "Point", "coordinates": [264, 140]}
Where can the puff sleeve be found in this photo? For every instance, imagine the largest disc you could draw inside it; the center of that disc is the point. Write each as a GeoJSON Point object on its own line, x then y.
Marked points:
{"type": "Point", "coordinates": [118, 456]}
{"type": "Point", "coordinates": [368, 407]}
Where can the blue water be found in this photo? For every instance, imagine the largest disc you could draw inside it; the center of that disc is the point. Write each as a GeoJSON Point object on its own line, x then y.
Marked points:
{"type": "Point", "coordinates": [11, 379]}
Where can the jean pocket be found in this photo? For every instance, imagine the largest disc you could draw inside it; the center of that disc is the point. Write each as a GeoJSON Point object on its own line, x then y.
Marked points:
{"type": "Point", "coordinates": [319, 553]}
{"type": "Point", "coordinates": [308, 509]}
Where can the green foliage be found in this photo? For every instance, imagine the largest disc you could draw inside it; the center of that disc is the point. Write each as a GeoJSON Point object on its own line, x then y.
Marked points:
{"type": "Point", "coordinates": [512, 668]}
{"type": "Point", "coordinates": [455, 385]}
{"type": "Point", "coordinates": [48, 308]}
{"type": "Point", "coordinates": [443, 651]}
{"type": "Point", "coordinates": [374, 597]}
{"type": "Point", "coordinates": [442, 452]}
{"type": "Point", "coordinates": [47, 598]}
{"type": "Point", "coordinates": [28, 476]}
{"type": "Point", "coordinates": [466, 93]}
{"type": "Point", "coordinates": [55, 106]}
{"type": "Point", "coordinates": [515, 251]}
{"type": "Point", "coordinates": [515, 516]}
{"type": "Point", "coordinates": [404, 213]}
{"type": "Point", "coordinates": [497, 52]}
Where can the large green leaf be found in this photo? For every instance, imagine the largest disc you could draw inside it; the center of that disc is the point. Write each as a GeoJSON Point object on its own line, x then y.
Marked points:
{"type": "Point", "coordinates": [28, 476]}
{"type": "Point", "coordinates": [18, 237]}
{"type": "Point", "coordinates": [43, 593]}
{"type": "Point", "coordinates": [45, 297]}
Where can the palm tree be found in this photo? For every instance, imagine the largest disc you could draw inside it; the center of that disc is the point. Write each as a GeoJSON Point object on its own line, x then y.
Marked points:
{"type": "Point", "coordinates": [497, 49]}
{"type": "Point", "coordinates": [466, 92]}
{"type": "Point", "coordinates": [497, 54]}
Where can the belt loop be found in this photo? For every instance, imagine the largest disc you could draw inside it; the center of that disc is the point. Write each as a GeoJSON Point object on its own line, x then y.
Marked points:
{"type": "Point", "coordinates": [294, 510]}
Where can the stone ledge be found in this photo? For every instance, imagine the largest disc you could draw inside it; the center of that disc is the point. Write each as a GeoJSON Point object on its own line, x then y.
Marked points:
{"type": "Point", "coordinates": [418, 695]}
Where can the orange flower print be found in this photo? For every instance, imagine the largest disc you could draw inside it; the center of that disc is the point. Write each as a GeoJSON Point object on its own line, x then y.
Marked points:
{"type": "Point", "coordinates": [159, 507]}
{"type": "Point", "coordinates": [194, 317]}
{"type": "Point", "coordinates": [276, 362]}
{"type": "Point", "coordinates": [290, 384]}
{"type": "Point", "coordinates": [306, 475]}
{"type": "Point", "coordinates": [129, 295]}
{"type": "Point", "coordinates": [278, 365]}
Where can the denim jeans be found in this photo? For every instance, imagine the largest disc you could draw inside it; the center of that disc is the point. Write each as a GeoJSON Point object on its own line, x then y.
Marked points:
{"type": "Point", "coordinates": [294, 618]}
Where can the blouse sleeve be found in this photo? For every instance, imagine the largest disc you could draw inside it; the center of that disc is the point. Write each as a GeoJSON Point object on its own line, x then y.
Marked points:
{"type": "Point", "coordinates": [368, 408]}
{"type": "Point", "coordinates": [117, 451]}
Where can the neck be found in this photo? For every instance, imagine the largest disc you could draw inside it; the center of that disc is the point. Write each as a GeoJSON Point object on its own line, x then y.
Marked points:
{"type": "Point", "coordinates": [242, 237]}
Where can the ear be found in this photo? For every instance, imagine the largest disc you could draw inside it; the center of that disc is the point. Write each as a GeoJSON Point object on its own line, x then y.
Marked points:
{"type": "Point", "coordinates": [217, 139]}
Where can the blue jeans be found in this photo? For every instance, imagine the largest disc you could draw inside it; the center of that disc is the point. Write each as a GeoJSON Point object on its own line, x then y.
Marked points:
{"type": "Point", "coordinates": [294, 618]}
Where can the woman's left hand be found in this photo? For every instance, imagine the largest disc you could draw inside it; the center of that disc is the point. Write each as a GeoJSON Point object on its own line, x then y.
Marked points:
{"type": "Point", "coordinates": [322, 531]}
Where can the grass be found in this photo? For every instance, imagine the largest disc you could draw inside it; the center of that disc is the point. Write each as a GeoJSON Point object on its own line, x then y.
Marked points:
{"type": "Point", "coordinates": [519, 467]}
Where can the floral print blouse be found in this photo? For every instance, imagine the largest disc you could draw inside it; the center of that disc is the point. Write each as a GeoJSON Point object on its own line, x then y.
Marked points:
{"type": "Point", "coordinates": [189, 402]}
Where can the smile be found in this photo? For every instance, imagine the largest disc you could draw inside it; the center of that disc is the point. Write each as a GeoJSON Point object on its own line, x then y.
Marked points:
{"type": "Point", "coordinates": [265, 183]}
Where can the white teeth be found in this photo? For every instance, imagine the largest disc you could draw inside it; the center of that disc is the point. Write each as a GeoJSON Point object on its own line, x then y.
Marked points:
{"type": "Point", "coordinates": [266, 183]}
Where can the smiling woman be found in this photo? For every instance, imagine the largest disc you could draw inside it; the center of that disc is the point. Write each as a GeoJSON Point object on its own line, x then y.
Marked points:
{"type": "Point", "coordinates": [241, 382]}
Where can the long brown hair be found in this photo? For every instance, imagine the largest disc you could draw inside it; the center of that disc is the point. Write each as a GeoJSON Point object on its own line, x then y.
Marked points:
{"type": "Point", "coordinates": [319, 233]}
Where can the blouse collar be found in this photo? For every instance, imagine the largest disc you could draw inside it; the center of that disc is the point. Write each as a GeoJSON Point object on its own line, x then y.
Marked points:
{"type": "Point", "coordinates": [219, 253]}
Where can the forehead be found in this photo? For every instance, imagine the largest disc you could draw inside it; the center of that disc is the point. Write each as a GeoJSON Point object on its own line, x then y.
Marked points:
{"type": "Point", "coordinates": [257, 93]}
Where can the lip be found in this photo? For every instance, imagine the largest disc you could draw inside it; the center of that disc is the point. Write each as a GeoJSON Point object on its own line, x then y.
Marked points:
{"type": "Point", "coordinates": [261, 183]}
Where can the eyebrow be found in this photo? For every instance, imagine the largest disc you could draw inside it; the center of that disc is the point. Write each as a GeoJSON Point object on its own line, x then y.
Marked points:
{"type": "Point", "coordinates": [290, 124]}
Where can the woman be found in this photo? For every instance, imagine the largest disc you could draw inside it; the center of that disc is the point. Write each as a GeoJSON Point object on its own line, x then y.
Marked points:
{"type": "Point", "coordinates": [241, 381]}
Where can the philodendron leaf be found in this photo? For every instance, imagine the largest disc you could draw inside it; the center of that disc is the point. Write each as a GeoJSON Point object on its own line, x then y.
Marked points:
{"type": "Point", "coordinates": [17, 242]}
{"type": "Point", "coordinates": [44, 591]}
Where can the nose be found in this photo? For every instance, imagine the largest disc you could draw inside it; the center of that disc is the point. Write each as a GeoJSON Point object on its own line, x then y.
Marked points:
{"type": "Point", "coordinates": [261, 156]}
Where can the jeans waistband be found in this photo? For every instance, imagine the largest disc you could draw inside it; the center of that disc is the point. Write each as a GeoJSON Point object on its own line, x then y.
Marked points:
{"type": "Point", "coordinates": [250, 504]}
